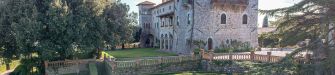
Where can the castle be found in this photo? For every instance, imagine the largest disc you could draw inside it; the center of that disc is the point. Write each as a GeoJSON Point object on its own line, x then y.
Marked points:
{"type": "Point", "coordinates": [174, 24]}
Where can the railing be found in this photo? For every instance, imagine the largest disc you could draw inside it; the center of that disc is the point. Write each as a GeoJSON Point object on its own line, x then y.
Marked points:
{"type": "Point", "coordinates": [128, 46]}
{"type": "Point", "coordinates": [67, 66]}
{"type": "Point", "coordinates": [151, 61]}
{"type": "Point", "coordinates": [149, 65]}
{"type": "Point", "coordinates": [240, 57]}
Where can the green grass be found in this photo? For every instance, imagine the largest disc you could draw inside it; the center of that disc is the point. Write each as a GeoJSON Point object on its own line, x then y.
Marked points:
{"type": "Point", "coordinates": [14, 64]}
{"type": "Point", "coordinates": [138, 52]}
{"type": "Point", "coordinates": [195, 73]}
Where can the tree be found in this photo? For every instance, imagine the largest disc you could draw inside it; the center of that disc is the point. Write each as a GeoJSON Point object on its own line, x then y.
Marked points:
{"type": "Point", "coordinates": [50, 30]}
{"type": "Point", "coordinates": [308, 19]}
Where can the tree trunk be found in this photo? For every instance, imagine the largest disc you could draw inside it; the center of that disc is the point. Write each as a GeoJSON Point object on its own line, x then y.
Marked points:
{"type": "Point", "coordinates": [7, 66]}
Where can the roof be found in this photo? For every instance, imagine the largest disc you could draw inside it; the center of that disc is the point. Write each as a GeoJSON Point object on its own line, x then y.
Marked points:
{"type": "Point", "coordinates": [162, 4]}
{"type": "Point", "coordinates": [145, 3]}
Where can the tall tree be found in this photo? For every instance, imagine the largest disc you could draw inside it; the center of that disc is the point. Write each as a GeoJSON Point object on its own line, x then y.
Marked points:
{"type": "Point", "coordinates": [309, 19]}
{"type": "Point", "coordinates": [49, 30]}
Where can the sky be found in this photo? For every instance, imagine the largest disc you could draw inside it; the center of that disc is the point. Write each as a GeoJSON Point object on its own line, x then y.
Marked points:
{"type": "Point", "coordinates": [263, 5]}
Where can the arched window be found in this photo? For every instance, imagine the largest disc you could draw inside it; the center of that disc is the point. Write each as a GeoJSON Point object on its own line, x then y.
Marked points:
{"type": "Point", "coordinates": [149, 26]}
{"type": "Point", "coordinates": [223, 19]}
{"type": "Point", "coordinates": [245, 19]}
{"type": "Point", "coordinates": [210, 43]}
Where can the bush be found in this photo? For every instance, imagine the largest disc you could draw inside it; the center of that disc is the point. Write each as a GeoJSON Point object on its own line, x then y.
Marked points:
{"type": "Point", "coordinates": [196, 51]}
{"type": "Point", "coordinates": [235, 46]}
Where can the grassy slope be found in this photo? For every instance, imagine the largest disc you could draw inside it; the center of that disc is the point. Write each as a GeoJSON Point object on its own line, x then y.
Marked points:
{"type": "Point", "coordinates": [138, 52]}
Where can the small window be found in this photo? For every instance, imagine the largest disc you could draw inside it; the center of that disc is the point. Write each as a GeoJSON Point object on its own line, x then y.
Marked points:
{"type": "Point", "coordinates": [189, 19]}
{"type": "Point", "coordinates": [210, 43]}
{"type": "Point", "coordinates": [223, 19]}
{"type": "Point", "coordinates": [177, 20]}
{"type": "Point", "coordinates": [245, 19]}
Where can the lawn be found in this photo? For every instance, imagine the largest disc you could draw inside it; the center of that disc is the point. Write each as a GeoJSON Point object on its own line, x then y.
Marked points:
{"type": "Point", "coordinates": [14, 64]}
{"type": "Point", "coordinates": [138, 52]}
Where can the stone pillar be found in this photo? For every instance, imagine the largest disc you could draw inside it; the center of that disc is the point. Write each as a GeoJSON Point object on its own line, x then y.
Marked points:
{"type": "Point", "coordinates": [46, 64]}
{"type": "Point", "coordinates": [269, 57]}
{"type": "Point", "coordinates": [211, 55]}
{"type": "Point", "coordinates": [307, 58]}
{"type": "Point", "coordinates": [171, 44]}
{"type": "Point", "coordinates": [164, 22]}
{"type": "Point", "coordinates": [161, 43]}
{"type": "Point", "coordinates": [252, 55]}
{"type": "Point", "coordinates": [168, 22]}
{"type": "Point", "coordinates": [165, 43]}
{"type": "Point", "coordinates": [230, 56]}
{"type": "Point", "coordinates": [168, 43]}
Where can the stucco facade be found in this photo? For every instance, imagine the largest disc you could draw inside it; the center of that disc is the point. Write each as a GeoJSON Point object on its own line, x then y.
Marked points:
{"type": "Point", "coordinates": [173, 24]}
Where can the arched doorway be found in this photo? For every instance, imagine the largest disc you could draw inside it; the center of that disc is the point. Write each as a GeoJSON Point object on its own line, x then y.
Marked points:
{"type": "Point", "coordinates": [149, 41]}
{"type": "Point", "coordinates": [210, 43]}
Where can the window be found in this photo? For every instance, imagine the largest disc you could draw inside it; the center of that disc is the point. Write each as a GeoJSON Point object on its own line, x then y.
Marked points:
{"type": "Point", "coordinates": [227, 41]}
{"type": "Point", "coordinates": [171, 21]}
{"type": "Point", "coordinates": [177, 20]}
{"type": "Point", "coordinates": [210, 43]}
{"type": "Point", "coordinates": [170, 7]}
{"type": "Point", "coordinates": [149, 26]}
{"type": "Point", "coordinates": [245, 19]}
{"type": "Point", "coordinates": [189, 19]}
{"type": "Point", "coordinates": [223, 19]}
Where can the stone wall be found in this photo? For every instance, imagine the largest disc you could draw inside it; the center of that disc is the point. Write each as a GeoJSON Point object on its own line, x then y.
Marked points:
{"type": "Point", "coordinates": [205, 22]}
{"type": "Point", "coordinates": [152, 65]}
{"type": "Point", "coordinates": [208, 23]}
{"type": "Point", "coordinates": [68, 67]}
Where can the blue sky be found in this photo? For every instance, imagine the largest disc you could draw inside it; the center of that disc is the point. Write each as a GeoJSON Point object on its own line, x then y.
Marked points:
{"type": "Point", "coordinates": [263, 4]}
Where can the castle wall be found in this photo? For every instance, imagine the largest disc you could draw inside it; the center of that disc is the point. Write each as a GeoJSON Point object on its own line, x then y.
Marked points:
{"type": "Point", "coordinates": [208, 23]}
{"type": "Point", "coordinates": [172, 23]}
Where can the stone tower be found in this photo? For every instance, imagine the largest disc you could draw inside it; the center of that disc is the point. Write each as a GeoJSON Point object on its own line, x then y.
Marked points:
{"type": "Point", "coordinates": [145, 22]}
